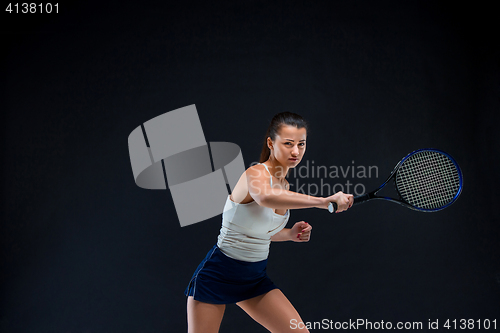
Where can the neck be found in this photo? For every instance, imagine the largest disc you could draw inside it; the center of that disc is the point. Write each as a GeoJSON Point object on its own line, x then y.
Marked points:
{"type": "Point", "coordinates": [276, 168]}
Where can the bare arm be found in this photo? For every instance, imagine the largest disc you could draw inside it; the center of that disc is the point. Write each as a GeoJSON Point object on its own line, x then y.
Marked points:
{"type": "Point", "coordinates": [279, 199]}
{"type": "Point", "coordinates": [300, 232]}
{"type": "Point", "coordinates": [260, 190]}
{"type": "Point", "coordinates": [282, 236]}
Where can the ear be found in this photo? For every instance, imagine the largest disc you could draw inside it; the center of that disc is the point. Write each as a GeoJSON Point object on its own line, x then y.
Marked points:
{"type": "Point", "coordinates": [269, 143]}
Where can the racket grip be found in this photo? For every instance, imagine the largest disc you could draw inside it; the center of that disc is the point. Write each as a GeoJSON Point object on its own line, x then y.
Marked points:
{"type": "Point", "coordinates": [362, 198]}
{"type": "Point", "coordinates": [332, 207]}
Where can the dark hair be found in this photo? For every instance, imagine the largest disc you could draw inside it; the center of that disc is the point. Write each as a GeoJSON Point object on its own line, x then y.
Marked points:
{"type": "Point", "coordinates": [280, 119]}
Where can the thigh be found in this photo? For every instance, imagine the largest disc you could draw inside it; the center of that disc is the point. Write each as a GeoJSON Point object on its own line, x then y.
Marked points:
{"type": "Point", "coordinates": [273, 311]}
{"type": "Point", "coordinates": [204, 317]}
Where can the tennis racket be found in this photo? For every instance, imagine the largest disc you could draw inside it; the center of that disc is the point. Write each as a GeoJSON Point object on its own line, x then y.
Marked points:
{"type": "Point", "coordinates": [426, 180]}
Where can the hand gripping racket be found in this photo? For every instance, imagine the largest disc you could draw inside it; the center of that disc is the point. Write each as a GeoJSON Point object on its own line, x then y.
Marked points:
{"type": "Point", "coordinates": [426, 180]}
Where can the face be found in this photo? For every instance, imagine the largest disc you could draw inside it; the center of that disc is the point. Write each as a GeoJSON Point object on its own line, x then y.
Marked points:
{"type": "Point", "coordinates": [289, 146]}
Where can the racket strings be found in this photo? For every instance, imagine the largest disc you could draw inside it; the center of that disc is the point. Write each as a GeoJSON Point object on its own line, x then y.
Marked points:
{"type": "Point", "coordinates": [428, 180]}
{"type": "Point", "coordinates": [431, 195]}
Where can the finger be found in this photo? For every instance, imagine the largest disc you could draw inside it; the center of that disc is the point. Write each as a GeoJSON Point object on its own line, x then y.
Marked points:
{"type": "Point", "coordinates": [302, 236]}
{"type": "Point", "coordinates": [305, 232]}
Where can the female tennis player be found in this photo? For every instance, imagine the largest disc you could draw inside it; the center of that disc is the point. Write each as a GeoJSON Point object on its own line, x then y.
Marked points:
{"type": "Point", "coordinates": [256, 212]}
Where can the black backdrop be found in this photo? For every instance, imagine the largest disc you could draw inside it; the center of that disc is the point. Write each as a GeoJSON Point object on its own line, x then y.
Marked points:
{"type": "Point", "coordinates": [86, 250]}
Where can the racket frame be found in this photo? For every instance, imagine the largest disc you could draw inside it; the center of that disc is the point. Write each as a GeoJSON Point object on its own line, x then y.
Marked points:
{"type": "Point", "coordinates": [373, 194]}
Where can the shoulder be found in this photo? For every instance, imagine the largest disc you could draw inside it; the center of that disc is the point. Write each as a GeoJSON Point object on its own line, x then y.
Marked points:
{"type": "Point", "coordinates": [256, 171]}
{"type": "Point", "coordinates": [257, 176]}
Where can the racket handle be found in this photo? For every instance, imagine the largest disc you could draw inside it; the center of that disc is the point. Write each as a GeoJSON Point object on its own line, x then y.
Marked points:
{"type": "Point", "coordinates": [362, 198]}
{"type": "Point", "coordinates": [332, 207]}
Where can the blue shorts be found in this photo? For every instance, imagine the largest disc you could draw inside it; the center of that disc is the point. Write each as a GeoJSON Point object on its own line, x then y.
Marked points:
{"type": "Point", "coordinates": [220, 279]}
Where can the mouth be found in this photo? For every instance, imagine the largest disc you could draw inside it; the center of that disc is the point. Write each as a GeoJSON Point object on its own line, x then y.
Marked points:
{"type": "Point", "coordinates": [293, 159]}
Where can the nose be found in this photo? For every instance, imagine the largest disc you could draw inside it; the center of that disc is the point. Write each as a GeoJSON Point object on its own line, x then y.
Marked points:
{"type": "Point", "coordinates": [295, 151]}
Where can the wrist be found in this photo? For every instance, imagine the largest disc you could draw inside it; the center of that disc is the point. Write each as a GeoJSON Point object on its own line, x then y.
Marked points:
{"type": "Point", "coordinates": [322, 203]}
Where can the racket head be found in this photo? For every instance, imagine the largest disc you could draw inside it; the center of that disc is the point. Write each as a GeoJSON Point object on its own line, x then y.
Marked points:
{"type": "Point", "coordinates": [428, 180]}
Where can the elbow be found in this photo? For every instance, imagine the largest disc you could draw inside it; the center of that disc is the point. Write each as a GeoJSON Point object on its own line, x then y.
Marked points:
{"type": "Point", "coordinates": [262, 199]}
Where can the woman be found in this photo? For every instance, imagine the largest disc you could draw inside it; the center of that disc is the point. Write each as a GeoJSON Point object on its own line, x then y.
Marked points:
{"type": "Point", "coordinates": [256, 212]}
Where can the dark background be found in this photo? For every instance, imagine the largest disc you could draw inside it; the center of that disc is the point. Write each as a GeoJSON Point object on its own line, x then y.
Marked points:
{"type": "Point", "coordinates": [85, 250]}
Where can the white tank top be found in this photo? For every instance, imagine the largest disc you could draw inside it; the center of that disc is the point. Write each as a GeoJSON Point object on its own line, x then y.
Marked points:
{"type": "Point", "coordinates": [247, 229]}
